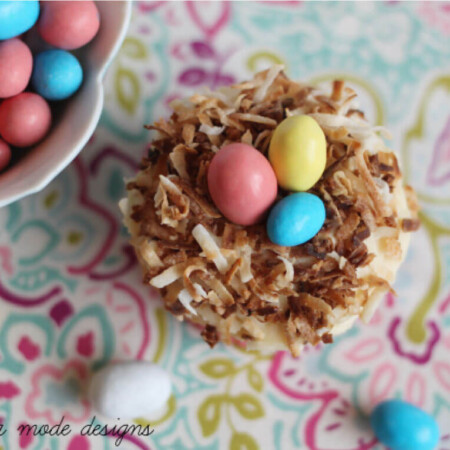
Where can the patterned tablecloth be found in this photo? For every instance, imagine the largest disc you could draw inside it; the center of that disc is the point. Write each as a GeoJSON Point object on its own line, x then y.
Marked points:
{"type": "Point", "coordinates": [71, 298]}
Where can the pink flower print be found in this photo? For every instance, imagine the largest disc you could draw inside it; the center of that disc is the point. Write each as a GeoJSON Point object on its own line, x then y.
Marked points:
{"type": "Point", "coordinates": [146, 6]}
{"type": "Point", "coordinates": [386, 376]}
{"type": "Point", "coordinates": [382, 382]}
{"type": "Point", "coordinates": [56, 392]}
{"type": "Point", "coordinates": [25, 439]}
{"type": "Point", "coordinates": [79, 443]}
{"type": "Point", "coordinates": [6, 260]}
{"type": "Point", "coordinates": [365, 350]}
{"type": "Point", "coordinates": [29, 349]}
{"type": "Point", "coordinates": [85, 344]}
{"type": "Point", "coordinates": [282, 2]}
{"type": "Point", "coordinates": [439, 171]}
{"type": "Point", "coordinates": [209, 17]}
{"type": "Point", "coordinates": [343, 382]}
{"type": "Point", "coordinates": [61, 311]}
{"type": "Point", "coordinates": [331, 414]}
{"type": "Point", "coordinates": [436, 14]}
{"type": "Point", "coordinates": [8, 390]}
{"type": "Point", "coordinates": [416, 389]}
{"type": "Point", "coordinates": [441, 369]}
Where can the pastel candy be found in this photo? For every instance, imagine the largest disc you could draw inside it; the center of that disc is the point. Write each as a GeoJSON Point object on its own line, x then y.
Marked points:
{"type": "Point", "coordinates": [242, 183]}
{"type": "Point", "coordinates": [68, 24]}
{"type": "Point", "coordinates": [24, 119]}
{"type": "Point", "coordinates": [57, 74]}
{"type": "Point", "coordinates": [295, 219]}
{"type": "Point", "coordinates": [130, 389]}
{"type": "Point", "coordinates": [16, 17]}
{"type": "Point", "coordinates": [402, 426]}
{"type": "Point", "coordinates": [16, 63]}
{"type": "Point", "coordinates": [298, 152]}
{"type": "Point", "coordinates": [5, 154]}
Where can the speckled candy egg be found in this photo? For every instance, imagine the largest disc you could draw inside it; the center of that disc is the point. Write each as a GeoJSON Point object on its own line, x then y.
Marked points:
{"type": "Point", "coordinates": [16, 63]}
{"type": "Point", "coordinates": [68, 25]}
{"type": "Point", "coordinates": [24, 119]}
{"type": "Point", "coordinates": [298, 153]}
{"type": "Point", "coordinates": [242, 183]}
{"type": "Point", "coordinates": [57, 74]}
{"type": "Point", "coordinates": [16, 17]}
{"type": "Point", "coordinates": [295, 219]}
{"type": "Point", "coordinates": [400, 425]}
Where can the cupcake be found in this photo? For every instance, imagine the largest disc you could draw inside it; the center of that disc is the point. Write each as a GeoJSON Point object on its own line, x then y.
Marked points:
{"type": "Point", "coordinates": [231, 277]}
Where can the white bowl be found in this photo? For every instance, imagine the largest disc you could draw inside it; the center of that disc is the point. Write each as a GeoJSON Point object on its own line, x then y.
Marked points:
{"type": "Point", "coordinates": [80, 116]}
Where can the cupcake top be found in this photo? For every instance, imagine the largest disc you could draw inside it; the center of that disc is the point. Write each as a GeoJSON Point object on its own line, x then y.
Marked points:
{"type": "Point", "coordinates": [232, 279]}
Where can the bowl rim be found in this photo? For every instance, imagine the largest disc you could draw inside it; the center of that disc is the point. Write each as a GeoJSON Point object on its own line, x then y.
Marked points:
{"type": "Point", "coordinates": [41, 183]}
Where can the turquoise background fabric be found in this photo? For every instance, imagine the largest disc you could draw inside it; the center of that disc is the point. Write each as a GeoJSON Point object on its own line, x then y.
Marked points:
{"type": "Point", "coordinates": [71, 298]}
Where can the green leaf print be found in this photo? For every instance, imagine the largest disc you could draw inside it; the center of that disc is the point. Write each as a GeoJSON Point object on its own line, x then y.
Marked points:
{"type": "Point", "coordinates": [255, 380]}
{"type": "Point", "coordinates": [248, 406]}
{"type": "Point", "coordinates": [209, 414]}
{"type": "Point", "coordinates": [218, 368]}
{"type": "Point", "coordinates": [134, 48]}
{"type": "Point", "coordinates": [242, 441]}
{"type": "Point", "coordinates": [127, 89]}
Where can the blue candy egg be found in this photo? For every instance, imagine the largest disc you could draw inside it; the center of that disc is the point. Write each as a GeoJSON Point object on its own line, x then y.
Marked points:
{"type": "Point", "coordinates": [16, 17]}
{"type": "Point", "coordinates": [57, 74]}
{"type": "Point", "coordinates": [295, 219]}
{"type": "Point", "coordinates": [402, 426]}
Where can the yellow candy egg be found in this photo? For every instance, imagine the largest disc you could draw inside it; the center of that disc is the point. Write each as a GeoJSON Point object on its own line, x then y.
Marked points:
{"type": "Point", "coordinates": [298, 153]}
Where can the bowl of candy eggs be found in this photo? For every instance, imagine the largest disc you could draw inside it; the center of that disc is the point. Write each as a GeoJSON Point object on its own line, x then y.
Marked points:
{"type": "Point", "coordinates": [53, 58]}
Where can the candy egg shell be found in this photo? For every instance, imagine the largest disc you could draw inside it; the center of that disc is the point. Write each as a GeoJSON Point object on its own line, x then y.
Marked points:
{"type": "Point", "coordinates": [24, 119]}
{"type": "Point", "coordinates": [16, 63]}
{"type": "Point", "coordinates": [242, 183]}
{"type": "Point", "coordinates": [16, 17]}
{"type": "Point", "coordinates": [68, 24]}
{"type": "Point", "coordinates": [57, 74]}
{"type": "Point", "coordinates": [295, 219]}
{"type": "Point", "coordinates": [400, 425]}
{"type": "Point", "coordinates": [298, 153]}
{"type": "Point", "coordinates": [130, 389]}
{"type": "Point", "coordinates": [5, 154]}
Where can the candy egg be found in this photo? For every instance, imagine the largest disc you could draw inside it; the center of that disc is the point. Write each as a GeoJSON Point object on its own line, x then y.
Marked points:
{"type": "Point", "coordinates": [24, 119]}
{"type": "Point", "coordinates": [16, 63]}
{"type": "Point", "coordinates": [57, 74]}
{"type": "Point", "coordinates": [68, 25]}
{"type": "Point", "coordinates": [129, 390]}
{"type": "Point", "coordinates": [17, 16]}
{"type": "Point", "coordinates": [5, 154]}
{"type": "Point", "coordinates": [242, 183]}
{"type": "Point", "coordinates": [298, 153]}
{"type": "Point", "coordinates": [295, 219]}
{"type": "Point", "coordinates": [400, 425]}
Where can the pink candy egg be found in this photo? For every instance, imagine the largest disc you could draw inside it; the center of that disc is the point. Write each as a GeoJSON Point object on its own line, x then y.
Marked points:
{"type": "Point", "coordinates": [24, 119]}
{"type": "Point", "coordinates": [68, 25]}
{"type": "Point", "coordinates": [242, 183]}
{"type": "Point", "coordinates": [5, 154]}
{"type": "Point", "coordinates": [16, 63]}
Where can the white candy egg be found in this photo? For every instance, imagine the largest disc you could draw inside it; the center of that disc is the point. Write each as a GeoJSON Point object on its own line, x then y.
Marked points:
{"type": "Point", "coordinates": [129, 390]}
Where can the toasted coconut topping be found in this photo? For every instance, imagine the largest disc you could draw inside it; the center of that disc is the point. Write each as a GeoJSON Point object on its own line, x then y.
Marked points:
{"type": "Point", "coordinates": [174, 206]}
{"type": "Point", "coordinates": [246, 265]}
{"type": "Point", "coordinates": [209, 247]}
{"type": "Point", "coordinates": [232, 279]}
{"type": "Point", "coordinates": [261, 92]}
{"type": "Point", "coordinates": [178, 160]}
{"type": "Point", "coordinates": [148, 253]}
{"type": "Point", "coordinates": [410, 224]}
{"type": "Point", "coordinates": [186, 299]}
{"type": "Point", "coordinates": [168, 276]}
